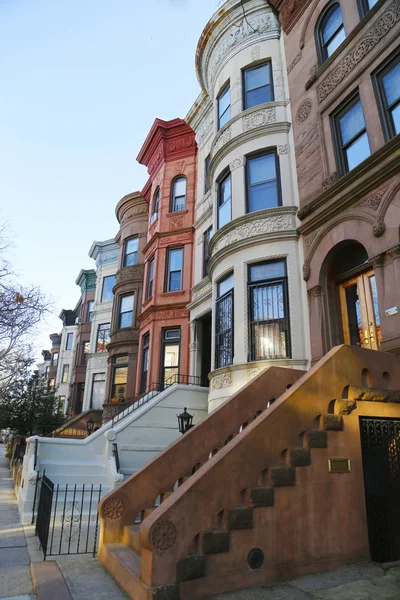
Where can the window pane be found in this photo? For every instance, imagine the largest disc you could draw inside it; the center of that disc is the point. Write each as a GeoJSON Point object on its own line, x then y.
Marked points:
{"type": "Point", "coordinates": [171, 355]}
{"type": "Point", "coordinates": [352, 122]}
{"type": "Point", "coordinates": [224, 214]}
{"type": "Point", "coordinates": [126, 303]}
{"type": "Point", "coordinates": [335, 42]}
{"type": "Point", "coordinates": [108, 284]}
{"type": "Point", "coordinates": [358, 151]}
{"type": "Point", "coordinates": [225, 191]}
{"type": "Point", "coordinates": [268, 302]}
{"type": "Point", "coordinates": [396, 119]}
{"type": "Point", "coordinates": [258, 77]}
{"type": "Point", "coordinates": [130, 259]}
{"type": "Point", "coordinates": [262, 168]}
{"type": "Point", "coordinates": [269, 270]}
{"type": "Point", "coordinates": [269, 341]}
{"type": "Point", "coordinates": [98, 393]}
{"type": "Point", "coordinates": [262, 196]}
{"type": "Point", "coordinates": [180, 187]}
{"type": "Point", "coordinates": [372, 3]}
{"type": "Point", "coordinates": [120, 375]}
{"type": "Point", "coordinates": [131, 246]}
{"type": "Point", "coordinates": [174, 281]}
{"type": "Point", "coordinates": [175, 260]}
{"type": "Point", "coordinates": [332, 24]}
{"type": "Point", "coordinates": [125, 320]}
{"type": "Point", "coordinates": [224, 101]}
{"type": "Point", "coordinates": [258, 96]}
{"type": "Point", "coordinates": [225, 117]}
{"type": "Point", "coordinates": [120, 359]}
{"type": "Point", "coordinates": [391, 83]}
{"type": "Point", "coordinates": [172, 334]}
{"type": "Point", "coordinates": [225, 285]}
{"type": "Point", "coordinates": [68, 345]}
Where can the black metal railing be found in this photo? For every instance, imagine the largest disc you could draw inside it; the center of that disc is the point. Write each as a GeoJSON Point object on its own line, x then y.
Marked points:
{"type": "Point", "coordinates": [68, 518]}
{"type": "Point", "coordinates": [151, 391]}
{"type": "Point", "coordinates": [116, 456]}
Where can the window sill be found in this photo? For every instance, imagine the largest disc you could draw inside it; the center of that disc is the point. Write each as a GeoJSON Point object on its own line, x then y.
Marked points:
{"type": "Point", "coordinates": [177, 293]}
{"type": "Point", "coordinates": [178, 213]}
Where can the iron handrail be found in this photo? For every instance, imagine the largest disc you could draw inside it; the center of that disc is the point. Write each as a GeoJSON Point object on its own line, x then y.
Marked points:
{"type": "Point", "coordinates": [116, 457]}
{"type": "Point", "coordinates": [153, 390]}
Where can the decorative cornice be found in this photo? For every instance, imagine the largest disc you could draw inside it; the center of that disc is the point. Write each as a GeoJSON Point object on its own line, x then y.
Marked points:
{"type": "Point", "coordinates": [126, 335]}
{"type": "Point", "coordinates": [372, 37]}
{"type": "Point", "coordinates": [167, 238]}
{"type": "Point", "coordinates": [394, 252]}
{"type": "Point", "coordinates": [377, 261]}
{"type": "Point", "coordinates": [294, 62]}
{"type": "Point", "coordinates": [315, 292]}
{"type": "Point", "coordinates": [162, 314]}
{"type": "Point", "coordinates": [218, 382]}
{"type": "Point", "coordinates": [133, 273]}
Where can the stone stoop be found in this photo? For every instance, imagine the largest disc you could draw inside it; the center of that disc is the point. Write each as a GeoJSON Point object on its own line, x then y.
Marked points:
{"type": "Point", "coordinates": [48, 581]}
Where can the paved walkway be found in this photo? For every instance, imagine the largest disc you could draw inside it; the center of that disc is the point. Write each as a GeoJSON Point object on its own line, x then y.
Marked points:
{"type": "Point", "coordinates": [15, 577]}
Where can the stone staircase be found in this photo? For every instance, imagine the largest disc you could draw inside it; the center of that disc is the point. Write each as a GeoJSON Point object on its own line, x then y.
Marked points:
{"type": "Point", "coordinates": [246, 497]}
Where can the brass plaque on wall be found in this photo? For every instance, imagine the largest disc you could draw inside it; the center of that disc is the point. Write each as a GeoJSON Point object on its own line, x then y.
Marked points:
{"type": "Point", "coordinates": [339, 465]}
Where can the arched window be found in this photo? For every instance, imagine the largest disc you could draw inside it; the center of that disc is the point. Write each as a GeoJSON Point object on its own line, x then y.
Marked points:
{"type": "Point", "coordinates": [156, 204]}
{"type": "Point", "coordinates": [178, 200]}
{"type": "Point", "coordinates": [330, 31]}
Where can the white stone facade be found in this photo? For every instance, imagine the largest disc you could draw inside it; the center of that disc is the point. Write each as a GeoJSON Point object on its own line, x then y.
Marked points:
{"type": "Point", "coordinates": [232, 44]}
{"type": "Point", "coordinates": [106, 256]}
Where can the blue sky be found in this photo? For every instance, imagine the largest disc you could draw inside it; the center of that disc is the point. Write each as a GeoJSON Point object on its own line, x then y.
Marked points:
{"type": "Point", "coordinates": [81, 82]}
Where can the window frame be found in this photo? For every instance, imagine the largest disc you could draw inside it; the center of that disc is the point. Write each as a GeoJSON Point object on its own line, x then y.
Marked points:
{"type": "Point", "coordinates": [207, 183]}
{"type": "Point", "coordinates": [168, 271]}
{"type": "Point", "coordinates": [268, 283]}
{"type": "Point", "coordinates": [125, 312]}
{"type": "Point", "coordinates": [150, 265]}
{"type": "Point", "coordinates": [363, 7]}
{"type": "Point", "coordinates": [154, 212]}
{"type": "Point", "coordinates": [102, 288]}
{"type": "Point", "coordinates": [166, 341]}
{"type": "Point", "coordinates": [145, 348]}
{"type": "Point", "coordinates": [115, 366]}
{"type": "Point", "coordinates": [94, 380]}
{"type": "Point", "coordinates": [85, 355]}
{"type": "Point", "coordinates": [340, 151]}
{"type": "Point", "coordinates": [173, 197]}
{"type": "Point", "coordinates": [65, 370]}
{"type": "Point", "coordinates": [54, 363]}
{"type": "Point", "coordinates": [321, 46]}
{"type": "Point", "coordinates": [218, 301]}
{"type": "Point", "coordinates": [206, 259]}
{"type": "Point", "coordinates": [385, 113]}
{"type": "Point", "coordinates": [253, 67]}
{"type": "Point", "coordinates": [227, 87]}
{"type": "Point", "coordinates": [221, 179]}
{"type": "Point", "coordinates": [97, 337]}
{"type": "Point", "coordinates": [70, 336]}
{"type": "Point", "coordinates": [258, 154]}
{"type": "Point", "coordinates": [89, 315]}
{"type": "Point", "coordinates": [126, 254]}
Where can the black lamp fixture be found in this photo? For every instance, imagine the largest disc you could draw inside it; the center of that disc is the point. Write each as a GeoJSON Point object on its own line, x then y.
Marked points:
{"type": "Point", "coordinates": [90, 426]}
{"type": "Point", "coordinates": [185, 421]}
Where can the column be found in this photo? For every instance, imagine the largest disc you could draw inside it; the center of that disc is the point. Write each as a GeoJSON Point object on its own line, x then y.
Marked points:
{"type": "Point", "coordinates": [316, 323]}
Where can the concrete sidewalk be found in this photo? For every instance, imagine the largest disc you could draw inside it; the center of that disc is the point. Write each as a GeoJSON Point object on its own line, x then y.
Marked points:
{"type": "Point", "coordinates": [15, 577]}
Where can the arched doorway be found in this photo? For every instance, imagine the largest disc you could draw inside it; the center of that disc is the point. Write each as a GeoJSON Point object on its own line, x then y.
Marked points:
{"type": "Point", "coordinates": [352, 297]}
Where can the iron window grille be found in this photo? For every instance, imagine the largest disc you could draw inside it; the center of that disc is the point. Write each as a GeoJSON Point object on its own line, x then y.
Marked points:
{"type": "Point", "coordinates": [224, 106]}
{"type": "Point", "coordinates": [224, 200]}
{"type": "Point", "coordinates": [178, 194]}
{"type": "Point", "coordinates": [174, 269]}
{"type": "Point", "coordinates": [150, 279]}
{"type": "Point", "coordinates": [206, 250]}
{"type": "Point", "coordinates": [269, 322]}
{"type": "Point", "coordinates": [145, 362]}
{"type": "Point", "coordinates": [68, 344]}
{"type": "Point", "coordinates": [156, 205]}
{"type": "Point", "coordinates": [350, 135]}
{"type": "Point", "coordinates": [131, 252]}
{"type": "Point", "coordinates": [330, 31]}
{"type": "Point", "coordinates": [65, 374]}
{"type": "Point", "coordinates": [263, 181]}
{"type": "Point", "coordinates": [224, 325]}
{"type": "Point", "coordinates": [103, 337]}
{"type": "Point", "coordinates": [387, 86]}
{"type": "Point", "coordinates": [126, 311]}
{"type": "Point", "coordinates": [257, 85]}
{"type": "Point", "coordinates": [107, 293]}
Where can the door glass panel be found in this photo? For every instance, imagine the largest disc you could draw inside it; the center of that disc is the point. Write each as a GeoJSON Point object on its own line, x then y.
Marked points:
{"type": "Point", "coordinates": [354, 316]}
{"type": "Point", "coordinates": [171, 361]}
{"type": "Point", "coordinates": [374, 293]}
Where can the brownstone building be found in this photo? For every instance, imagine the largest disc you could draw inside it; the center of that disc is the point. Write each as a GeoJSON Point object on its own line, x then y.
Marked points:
{"type": "Point", "coordinates": [343, 64]}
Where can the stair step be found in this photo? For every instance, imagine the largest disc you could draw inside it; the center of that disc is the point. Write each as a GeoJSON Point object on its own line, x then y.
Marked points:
{"type": "Point", "coordinates": [262, 496]}
{"type": "Point", "coordinates": [216, 541]}
{"type": "Point", "coordinates": [165, 495]}
{"type": "Point", "coordinates": [240, 517]}
{"type": "Point", "coordinates": [131, 538]}
{"type": "Point", "coordinates": [190, 567]}
{"type": "Point", "coordinates": [317, 439]}
{"type": "Point", "coordinates": [124, 566]}
{"type": "Point", "coordinates": [147, 511]}
{"type": "Point", "coordinates": [283, 476]}
{"type": "Point", "coordinates": [300, 457]}
{"type": "Point", "coordinates": [331, 422]}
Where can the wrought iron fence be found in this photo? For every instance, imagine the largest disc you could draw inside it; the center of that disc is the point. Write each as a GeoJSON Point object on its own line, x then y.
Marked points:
{"type": "Point", "coordinates": [67, 518]}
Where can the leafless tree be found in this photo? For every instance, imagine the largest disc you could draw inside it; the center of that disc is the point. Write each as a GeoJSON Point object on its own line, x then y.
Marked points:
{"type": "Point", "coordinates": [22, 307]}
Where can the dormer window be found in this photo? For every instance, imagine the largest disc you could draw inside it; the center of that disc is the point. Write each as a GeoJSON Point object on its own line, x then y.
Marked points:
{"type": "Point", "coordinates": [156, 205]}
{"type": "Point", "coordinates": [330, 31]}
{"type": "Point", "coordinates": [178, 200]}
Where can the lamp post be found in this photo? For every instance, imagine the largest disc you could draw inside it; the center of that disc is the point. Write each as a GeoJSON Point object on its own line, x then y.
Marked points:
{"type": "Point", "coordinates": [185, 421]}
{"type": "Point", "coordinates": [90, 426]}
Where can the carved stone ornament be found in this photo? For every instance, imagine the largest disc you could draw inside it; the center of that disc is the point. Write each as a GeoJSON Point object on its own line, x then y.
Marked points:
{"type": "Point", "coordinates": [309, 240]}
{"type": "Point", "coordinates": [223, 139]}
{"type": "Point", "coordinates": [303, 212]}
{"type": "Point", "coordinates": [329, 181]}
{"type": "Point", "coordinates": [119, 478]}
{"type": "Point", "coordinates": [221, 381]}
{"type": "Point", "coordinates": [132, 273]}
{"type": "Point", "coordinates": [255, 52]}
{"type": "Point", "coordinates": [113, 509]}
{"type": "Point", "coordinates": [315, 292]}
{"type": "Point", "coordinates": [378, 228]}
{"type": "Point", "coordinates": [193, 347]}
{"type": "Point", "coordinates": [181, 144]}
{"type": "Point", "coordinates": [110, 435]}
{"type": "Point", "coordinates": [373, 36]}
{"type": "Point", "coordinates": [282, 149]}
{"type": "Point", "coordinates": [294, 62]}
{"type": "Point", "coordinates": [134, 212]}
{"type": "Point", "coordinates": [267, 224]}
{"type": "Point", "coordinates": [129, 334]}
{"type": "Point", "coordinates": [204, 130]}
{"type": "Point", "coordinates": [251, 373]}
{"type": "Point", "coordinates": [373, 200]}
{"type": "Point", "coordinates": [171, 240]}
{"type": "Point", "coordinates": [163, 535]}
{"type": "Point", "coordinates": [235, 164]}
{"type": "Point", "coordinates": [394, 252]}
{"type": "Point", "coordinates": [377, 261]}
{"type": "Point", "coordinates": [176, 223]}
{"type": "Point", "coordinates": [306, 271]}
{"type": "Point", "coordinates": [203, 291]}
{"type": "Point", "coordinates": [199, 240]}
{"type": "Point", "coordinates": [180, 167]}
{"type": "Point", "coordinates": [313, 73]}
{"type": "Point", "coordinates": [265, 116]}
{"type": "Point", "coordinates": [303, 112]}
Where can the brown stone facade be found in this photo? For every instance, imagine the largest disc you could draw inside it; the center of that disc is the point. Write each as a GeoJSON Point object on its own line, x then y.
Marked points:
{"type": "Point", "coordinates": [169, 153]}
{"type": "Point", "coordinates": [358, 211]}
{"type": "Point", "coordinates": [132, 214]}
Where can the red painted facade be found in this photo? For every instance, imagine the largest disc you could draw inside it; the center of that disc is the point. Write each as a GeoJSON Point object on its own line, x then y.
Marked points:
{"type": "Point", "coordinates": [169, 153]}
